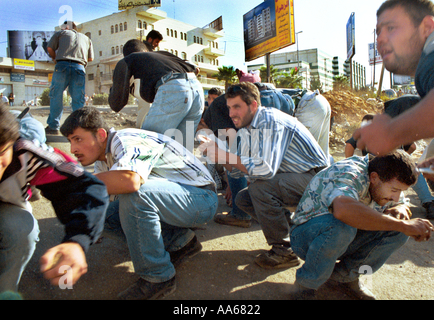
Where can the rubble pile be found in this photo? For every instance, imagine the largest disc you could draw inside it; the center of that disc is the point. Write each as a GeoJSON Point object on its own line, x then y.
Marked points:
{"type": "Point", "coordinates": [348, 111]}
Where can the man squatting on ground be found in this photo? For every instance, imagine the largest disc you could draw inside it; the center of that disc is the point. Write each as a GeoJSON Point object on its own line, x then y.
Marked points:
{"type": "Point", "coordinates": [163, 191]}
{"type": "Point", "coordinates": [353, 212]}
{"type": "Point", "coordinates": [279, 156]}
{"type": "Point", "coordinates": [79, 200]}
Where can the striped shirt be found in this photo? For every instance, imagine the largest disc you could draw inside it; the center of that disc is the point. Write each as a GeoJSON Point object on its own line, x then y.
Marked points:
{"type": "Point", "coordinates": [277, 143]}
{"type": "Point", "coordinates": [153, 156]}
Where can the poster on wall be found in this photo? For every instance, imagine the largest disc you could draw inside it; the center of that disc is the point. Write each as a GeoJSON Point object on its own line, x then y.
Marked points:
{"type": "Point", "coordinates": [29, 45]}
{"type": "Point", "coordinates": [128, 4]}
{"type": "Point", "coordinates": [268, 27]}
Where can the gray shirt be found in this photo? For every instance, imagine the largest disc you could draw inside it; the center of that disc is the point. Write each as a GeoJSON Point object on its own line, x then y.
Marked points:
{"type": "Point", "coordinates": [72, 45]}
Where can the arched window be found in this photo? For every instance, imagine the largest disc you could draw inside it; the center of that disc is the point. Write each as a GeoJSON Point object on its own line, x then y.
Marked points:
{"type": "Point", "coordinates": [145, 25]}
{"type": "Point", "coordinates": [176, 34]}
{"type": "Point", "coordinates": [125, 26]}
{"type": "Point", "coordinates": [139, 24]}
{"type": "Point", "coordinates": [117, 49]}
{"type": "Point", "coordinates": [116, 28]}
{"type": "Point", "coordinates": [113, 51]}
{"type": "Point", "coordinates": [121, 27]}
{"type": "Point", "coordinates": [113, 29]}
{"type": "Point", "coordinates": [183, 56]}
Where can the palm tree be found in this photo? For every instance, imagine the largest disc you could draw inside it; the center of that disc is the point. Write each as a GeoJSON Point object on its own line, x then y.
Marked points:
{"type": "Point", "coordinates": [274, 73]}
{"type": "Point", "coordinates": [228, 75]}
{"type": "Point", "coordinates": [290, 79]}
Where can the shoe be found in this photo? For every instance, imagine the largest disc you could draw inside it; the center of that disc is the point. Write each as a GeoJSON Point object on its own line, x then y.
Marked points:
{"type": "Point", "coordinates": [429, 207]}
{"type": "Point", "coordinates": [188, 251]}
{"type": "Point", "coordinates": [272, 260]}
{"type": "Point", "coordinates": [354, 289]}
{"type": "Point", "coordinates": [145, 290]}
{"type": "Point", "coordinates": [302, 293]}
{"type": "Point", "coordinates": [228, 219]}
{"type": "Point", "coordinates": [48, 130]}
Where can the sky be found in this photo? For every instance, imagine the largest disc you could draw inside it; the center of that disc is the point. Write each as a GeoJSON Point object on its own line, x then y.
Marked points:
{"type": "Point", "coordinates": [323, 23]}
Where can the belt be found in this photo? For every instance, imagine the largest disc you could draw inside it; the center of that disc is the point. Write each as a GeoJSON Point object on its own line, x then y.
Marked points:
{"type": "Point", "coordinates": [173, 76]}
{"type": "Point", "coordinates": [71, 61]}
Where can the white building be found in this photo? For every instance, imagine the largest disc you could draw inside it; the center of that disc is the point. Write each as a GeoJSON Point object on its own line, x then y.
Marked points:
{"type": "Point", "coordinates": [197, 45]}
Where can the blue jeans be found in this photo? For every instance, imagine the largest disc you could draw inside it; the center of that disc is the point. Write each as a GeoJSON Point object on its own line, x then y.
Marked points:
{"type": "Point", "coordinates": [19, 232]}
{"type": "Point", "coordinates": [30, 128]}
{"type": "Point", "coordinates": [236, 186]}
{"type": "Point", "coordinates": [422, 190]}
{"type": "Point", "coordinates": [158, 206]}
{"type": "Point", "coordinates": [324, 239]}
{"type": "Point", "coordinates": [69, 75]}
{"type": "Point", "coordinates": [178, 105]}
{"type": "Point", "coordinates": [275, 99]}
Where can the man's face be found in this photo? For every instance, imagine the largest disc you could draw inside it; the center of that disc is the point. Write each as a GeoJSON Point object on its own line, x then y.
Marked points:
{"type": "Point", "coordinates": [154, 42]}
{"type": "Point", "coordinates": [87, 147]}
{"type": "Point", "coordinates": [211, 98]}
{"type": "Point", "coordinates": [384, 192]}
{"type": "Point", "coordinates": [400, 43]}
{"type": "Point", "coordinates": [6, 154]}
{"type": "Point", "coordinates": [241, 113]}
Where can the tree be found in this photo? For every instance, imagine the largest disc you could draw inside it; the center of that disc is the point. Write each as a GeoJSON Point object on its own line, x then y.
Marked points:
{"type": "Point", "coordinates": [227, 74]}
{"type": "Point", "coordinates": [315, 84]}
{"type": "Point", "coordinates": [290, 79]}
{"type": "Point", "coordinates": [274, 73]}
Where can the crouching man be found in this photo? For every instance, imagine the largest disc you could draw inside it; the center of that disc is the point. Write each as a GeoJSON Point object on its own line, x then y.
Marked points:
{"type": "Point", "coordinates": [163, 191]}
{"type": "Point", "coordinates": [353, 212]}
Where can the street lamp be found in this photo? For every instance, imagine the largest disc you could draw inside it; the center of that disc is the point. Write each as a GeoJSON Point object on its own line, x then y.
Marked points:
{"type": "Point", "coordinates": [298, 58]}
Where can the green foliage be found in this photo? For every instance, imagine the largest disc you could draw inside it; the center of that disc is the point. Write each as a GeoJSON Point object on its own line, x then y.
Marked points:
{"type": "Point", "coordinates": [100, 99]}
{"type": "Point", "coordinates": [227, 74]}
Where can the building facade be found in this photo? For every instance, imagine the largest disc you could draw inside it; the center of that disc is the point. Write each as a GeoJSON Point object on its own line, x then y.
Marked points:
{"type": "Point", "coordinates": [198, 45]}
{"type": "Point", "coordinates": [315, 64]}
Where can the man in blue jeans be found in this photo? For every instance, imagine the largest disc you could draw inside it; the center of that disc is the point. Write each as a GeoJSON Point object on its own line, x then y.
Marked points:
{"type": "Point", "coordinates": [163, 191]}
{"type": "Point", "coordinates": [353, 212]}
{"type": "Point", "coordinates": [72, 51]}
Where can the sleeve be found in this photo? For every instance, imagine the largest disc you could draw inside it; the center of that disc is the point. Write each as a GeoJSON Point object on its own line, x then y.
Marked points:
{"type": "Point", "coordinates": [120, 91]}
{"type": "Point", "coordinates": [80, 204]}
{"type": "Point", "coordinates": [53, 43]}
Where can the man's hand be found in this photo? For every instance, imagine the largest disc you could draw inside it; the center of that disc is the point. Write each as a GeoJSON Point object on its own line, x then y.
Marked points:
{"type": "Point", "coordinates": [401, 212]}
{"type": "Point", "coordinates": [70, 254]}
{"type": "Point", "coordinates": [418, 229]}
{"type": "Point", "coordinates": [376, 137]}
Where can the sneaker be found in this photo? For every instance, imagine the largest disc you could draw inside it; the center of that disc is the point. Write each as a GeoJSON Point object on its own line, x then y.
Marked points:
{"type": "Point", "coordinates": [302, 293]}
{"type": "Point", "coordinates": [48, 130]}
{"type": "Point", "coordinates": [429, 207]}
{"type": "Point", "coordinates": [272, 260]}
{"type": "Point", "coordinates": [228, 219]}
{"type": "Point", "coordinates": [354, 289]}
{"type": "Point", "coordinates": [145, 290]}
{"type": "Point", "coordinates": [188, 251]}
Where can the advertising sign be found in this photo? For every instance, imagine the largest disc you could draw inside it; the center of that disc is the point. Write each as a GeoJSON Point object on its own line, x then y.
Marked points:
{"type": "Point", "coordinates": [378, 58]}
{"type": "Point", "coordinates": [21, 64]}
{"type": "Point", "coordinates": [128, 4]}
{"type": "Point", "coordinates": [268, 27]}
{"type": "Point", "coordinates": [29, 45]}
{"type": "Point", "coordinates": [351, 36]}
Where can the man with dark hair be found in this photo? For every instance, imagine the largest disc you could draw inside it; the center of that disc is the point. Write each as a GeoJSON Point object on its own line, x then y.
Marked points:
{"type": "Point", "coordinates": [154, 37]}
{"type": "Point", "coordinates": [353, 212]}
{"type": "Point", "coordinates": [72, 51]}
{"type": "Point", "coordinates": [79, 199]}
{"type": "Point", "coordinates": [163, 192]}
{"type": "Point", "coordinates": [166, 81]}
{"type": "Point", "coordinates": [405, 32]}
{"type": "Point", "coordinates": [279, 156]}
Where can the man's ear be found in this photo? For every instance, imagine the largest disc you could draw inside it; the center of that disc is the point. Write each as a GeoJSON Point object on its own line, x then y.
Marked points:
{"type": "Point", "coordinates": [101, 135]}
{"type": "Point", "coordinates": [374, 177]}
{"type": "Point", "coordinates": [427, 26]}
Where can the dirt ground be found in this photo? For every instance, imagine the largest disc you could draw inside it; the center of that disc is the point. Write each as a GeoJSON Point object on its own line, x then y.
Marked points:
{"type": "Point", "coordinates": [224, 269]}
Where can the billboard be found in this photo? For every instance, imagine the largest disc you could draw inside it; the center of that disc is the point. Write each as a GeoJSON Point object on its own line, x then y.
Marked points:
{"type": "Point", "coordinates": [351, 36]}
{"type": "Point", "coordinates": [29, 45]}
{"type": "Point", "coordinates": [268, 27]}
{"type": "Point", "coordinates": [378, 58]}
{"type": "Point", "coordinates": [128, 4]}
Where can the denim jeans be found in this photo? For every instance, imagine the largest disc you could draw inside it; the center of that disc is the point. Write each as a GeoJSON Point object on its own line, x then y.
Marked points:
{"type": "Point", "coordinates": [162, 206]}
{"type": "Point", "coordinates": [324, 239]}
{"type": "Point", "coordinates": [179, 104]}
{"type": "Point", "coordinates": [422, 190]}
{"type": "Point", "coordinates": [275, 99]}
{"type": "Point", "coordinates": [236, 186]}
{"type": "Point", "coordinates": [19, 232]}
{"type": "Point", "coordinates": [30, 128]}
{"type": "Point", "coordinates": [69, 75]}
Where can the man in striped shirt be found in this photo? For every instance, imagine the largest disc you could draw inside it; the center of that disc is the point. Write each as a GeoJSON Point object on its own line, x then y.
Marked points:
{"type": "Point", "coordinates": [279, 156]}
{"type": "Point", "coordinates": [163, 191]}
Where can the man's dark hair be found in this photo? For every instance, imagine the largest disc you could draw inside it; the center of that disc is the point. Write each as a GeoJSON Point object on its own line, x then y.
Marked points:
{"type": "Point", "coordinates": [9, 127]}
{"type": "Point", "coordinates": [87, 118]}
{"type": "Point", "coordinates": [416, 9]}
{"type": "Point", "coordinates": [154, 34]}
{"type": "Point", "coordinates": [135, 45]}
{"type": "Point", "coordinates": [397, 164]}
{"type": "Point", "coordinates": [246, 90]}
{"type": "Point", "coordinates": [216, 91]}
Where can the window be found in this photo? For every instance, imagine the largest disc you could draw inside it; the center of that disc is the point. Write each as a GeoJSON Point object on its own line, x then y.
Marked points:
{"type": "Point", "coordinates": [194, 39]}
{"type": "Point", "coordinates": [145, 25]}
{"type": "Point", "coordinates": [117, 49]}
{"type": "Point", "coordinates": [182, 37]}
{"type": "Point", "coordinates": [176, 52]}
{"type": "Point", "coordinates": [116, 28]}
{"type": "Point", "coordinates": [139, 24]}
{"type": "Point", "coordinates": [125, 26]}
{"type": "Point", "coordinates": [201, 41]}
{"type": "Point", "coordinates": [121, 27]}
{"type": "Point", "coordinates": [90, 76]}
{"type": "Point", "coordinates": [176, 34]}
{"type": "Point", "coordinates": [100, 53]}
{"type": "Point", "coordinates": [99, 32]}
{"type": "Point", "coordinates": [184, 56]}
{"type": "Point", "coordinates": [113, 29]}
{"type": "Point", "coordinates": [88, 34]}
{"type": "Point", "coordinates": [113, 51]}
{"type": "Point", "coordinates": [168, 32]}
{"type": "Point", "coordinates": [171, 33]}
